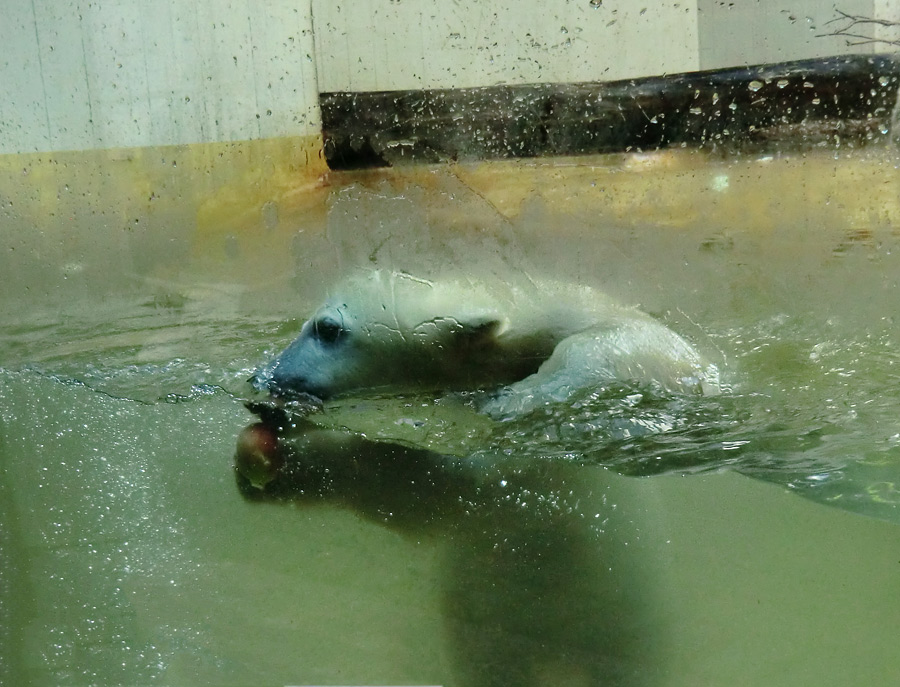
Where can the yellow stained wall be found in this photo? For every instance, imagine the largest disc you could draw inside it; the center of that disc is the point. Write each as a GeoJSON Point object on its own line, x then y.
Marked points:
{"type": "Point", "coordinates": [115, 218]}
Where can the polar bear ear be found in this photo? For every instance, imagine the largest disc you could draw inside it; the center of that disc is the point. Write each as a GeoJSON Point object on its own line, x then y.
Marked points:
{"type": "Point", "coordinates": [478, 332]}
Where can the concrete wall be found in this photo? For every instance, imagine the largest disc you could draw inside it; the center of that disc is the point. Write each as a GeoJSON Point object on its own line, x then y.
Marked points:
{"type": "Point", "coordinates": [79, 75]}
{"type": "Point", "coordinates": [83, 75]}
{"type": "Point", "coordinates": [888, 10]}
{"type": "Point", "coordinates": [380, 45]}
{"type": "Point", "coordinates": [733, 33]}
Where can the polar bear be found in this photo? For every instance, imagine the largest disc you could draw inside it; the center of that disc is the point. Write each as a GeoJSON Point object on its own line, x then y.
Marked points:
{"type": "Point", "coordinates": [529, 344]}
{"type": "Point", "coordinates": [513, 526]}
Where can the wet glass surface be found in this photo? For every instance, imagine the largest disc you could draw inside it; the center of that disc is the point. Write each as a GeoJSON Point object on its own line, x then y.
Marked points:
{"type": "Point", "coordinates": [503, 551]}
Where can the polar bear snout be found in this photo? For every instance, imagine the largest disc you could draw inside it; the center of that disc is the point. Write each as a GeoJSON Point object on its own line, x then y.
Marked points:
{"type": "Point", "coordinates": [310, 365]}
{"type": "Point", "coordinates": [275, 380]}
{"type": "Point", "coordinates": [262, 380]}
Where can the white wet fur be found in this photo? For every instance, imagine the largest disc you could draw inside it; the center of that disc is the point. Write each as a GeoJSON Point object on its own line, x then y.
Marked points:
{"type": "Point", "coordinates": [540, 341]}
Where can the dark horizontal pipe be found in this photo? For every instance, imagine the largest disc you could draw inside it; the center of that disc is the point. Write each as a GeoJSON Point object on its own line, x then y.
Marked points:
{"type": "Point", "coordinates": [787, 104]}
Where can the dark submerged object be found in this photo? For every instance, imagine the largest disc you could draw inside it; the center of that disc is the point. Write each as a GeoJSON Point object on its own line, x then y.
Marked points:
{"type": "Point", "coordinates": [527, 584]}
{"type": "Point", "coordinates": [406, 486]}
{"type": "Point", "coordinates": [789, 105]}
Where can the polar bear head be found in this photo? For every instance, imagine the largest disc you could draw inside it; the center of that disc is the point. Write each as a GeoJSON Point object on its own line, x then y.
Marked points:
{"type": "Point", "coordinates": [393, 330]}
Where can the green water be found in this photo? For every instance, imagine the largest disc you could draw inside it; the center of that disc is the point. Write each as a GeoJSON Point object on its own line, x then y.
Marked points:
{"type": "Point", "coordinates": [746, 539]}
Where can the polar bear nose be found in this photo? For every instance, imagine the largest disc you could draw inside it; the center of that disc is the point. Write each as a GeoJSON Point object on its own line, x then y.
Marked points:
{"type": "Point", "coordinates": [267, 380]}
{"type": "Point", "coordinates": [270, 378]}
{"type": "Point", "coordinates": [273, 381]}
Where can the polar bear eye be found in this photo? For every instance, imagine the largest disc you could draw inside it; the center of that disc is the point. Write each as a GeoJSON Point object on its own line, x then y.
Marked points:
{"type": "Point", "coordinates": [327, 330]}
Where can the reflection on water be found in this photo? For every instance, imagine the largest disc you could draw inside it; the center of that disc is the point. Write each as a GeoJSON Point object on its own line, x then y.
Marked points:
{"type": "Point", "coordinates": [504, 551]}
{"type": "Point", "coordinates": [537, 581]}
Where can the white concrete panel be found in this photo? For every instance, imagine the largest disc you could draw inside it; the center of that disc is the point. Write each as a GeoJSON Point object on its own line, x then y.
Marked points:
{"type": "Point", "coordinates": [388, 45]}
{"type": "Point", "coordinates": [174, 82]}
{"type": "Point", "coordinates": [64, 74]}
{"type": "Point", "coordinates": [157, 72]}
{"type": "Point", "coordinates": [888, 35]}
{"type": "Point", "coordinates": [284, 69]}
{"type": "Point", "coordinates": [741, 33]}
{"type": "Point", "coordinates": [226, 63]}
{"type": "Point", "coordinates": [116, 72]}
{"type": "Point", "coordinates": [23, 110]}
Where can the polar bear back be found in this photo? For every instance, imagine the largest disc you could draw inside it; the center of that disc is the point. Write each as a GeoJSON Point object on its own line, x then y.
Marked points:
{"type": "Point", "coordinates": [384, 303]}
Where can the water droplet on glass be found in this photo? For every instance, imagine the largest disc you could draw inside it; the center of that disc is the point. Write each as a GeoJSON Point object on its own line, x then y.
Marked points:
{"type": "Point", "coordinates": [782, 83]}
{"type": "Point", "coordinates": [720, 182]}
{"type": "Point", "coordinates": [755, 85]}
{"type": "Point", "coordinates": [596, 3]}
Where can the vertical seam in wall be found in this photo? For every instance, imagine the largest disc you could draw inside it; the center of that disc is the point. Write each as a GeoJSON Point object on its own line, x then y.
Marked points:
{"type": "Point", "coordinates": [255, 72]}
{"type": "Point", "coordinates": [203, 61]}
{"type": "Point", "coordinates": [352, 74]}
{"type": "Point", "coordinates": [697, 56]}
{"type": "Point", "coordinates": [315, 67]}
{"type": "Point", "coordinates": [37, 39]}
{"type": "Point", "coordinates": [149, 137]}
{"type": "Point", "coordinates": [87, 81]}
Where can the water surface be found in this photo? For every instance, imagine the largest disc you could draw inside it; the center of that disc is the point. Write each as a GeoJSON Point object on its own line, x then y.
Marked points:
{"type": "Point", "coordinates": [130, 557]}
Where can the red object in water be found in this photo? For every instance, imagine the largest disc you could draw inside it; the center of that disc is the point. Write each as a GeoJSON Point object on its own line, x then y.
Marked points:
{"type": "Point", "coordinates": [257, 457]}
